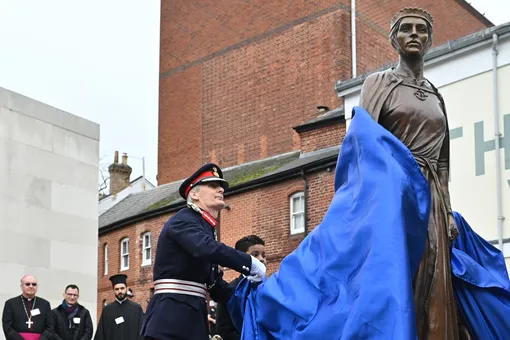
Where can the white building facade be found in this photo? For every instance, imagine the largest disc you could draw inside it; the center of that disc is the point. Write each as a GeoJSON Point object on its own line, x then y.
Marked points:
{"type": "Point", "coordinates": [140, 184]}
{"type": "Point", "coordinates": [473, 75]}
{"type": "Point", "coordinates": [48, 200]}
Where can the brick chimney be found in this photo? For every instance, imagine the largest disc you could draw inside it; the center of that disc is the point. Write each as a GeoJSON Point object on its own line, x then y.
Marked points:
{"type": "Point", "coordinates": [119, 174]}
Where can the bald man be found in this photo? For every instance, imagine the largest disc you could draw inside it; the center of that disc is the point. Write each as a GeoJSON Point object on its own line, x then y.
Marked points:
{"type": "Point", "coordinates": [27, 316]}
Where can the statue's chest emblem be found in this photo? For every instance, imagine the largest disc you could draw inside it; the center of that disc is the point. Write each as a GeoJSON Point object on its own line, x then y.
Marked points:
{"type": "Point", "coordinates": [421, 95]}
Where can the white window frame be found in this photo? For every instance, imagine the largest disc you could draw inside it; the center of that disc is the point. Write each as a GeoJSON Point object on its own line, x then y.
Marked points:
{"type": "Point", "coordinates": [123, 255]}
{"type": "Point", "coordinates": [146, 261]}
{"type": "Point", "coordinates": [506, 250]}
{"type": "Point", "coordinates": [293, 228]}
{"type": "Point", "coordinates": [105, 259]}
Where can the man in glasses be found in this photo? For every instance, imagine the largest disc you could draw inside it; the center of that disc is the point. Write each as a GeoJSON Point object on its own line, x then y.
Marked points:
{"type": "Point", "coordinates": [72, 320]}
{"type": "Point", "coordinates": [27, 316]}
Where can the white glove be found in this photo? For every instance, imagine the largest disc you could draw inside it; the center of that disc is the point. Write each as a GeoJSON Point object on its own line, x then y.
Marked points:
{"type": "Point", "coordinates": [258, 270]}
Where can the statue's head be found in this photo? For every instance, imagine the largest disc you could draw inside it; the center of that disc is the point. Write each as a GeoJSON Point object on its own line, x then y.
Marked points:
{"type": "Point", "coordinates": [411, 32]}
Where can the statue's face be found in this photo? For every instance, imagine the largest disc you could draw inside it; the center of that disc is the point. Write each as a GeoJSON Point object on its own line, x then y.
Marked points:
{"type": "Point", "coordinates": [413, 36]}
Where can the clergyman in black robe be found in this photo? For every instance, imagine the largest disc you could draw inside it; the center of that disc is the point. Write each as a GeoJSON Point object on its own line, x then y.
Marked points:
{"type": "Point", "coordinates": [121, 319]}
{"type": "Point", "coordinates": [27, 316]}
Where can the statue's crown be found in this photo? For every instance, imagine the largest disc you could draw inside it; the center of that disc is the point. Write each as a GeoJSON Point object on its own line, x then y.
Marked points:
{"type": "Point", "coordinates": [411, 12]}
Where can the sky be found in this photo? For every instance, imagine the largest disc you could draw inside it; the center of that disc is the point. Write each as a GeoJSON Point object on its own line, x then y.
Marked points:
{"type": "Point", "coordinates": [99, 59]}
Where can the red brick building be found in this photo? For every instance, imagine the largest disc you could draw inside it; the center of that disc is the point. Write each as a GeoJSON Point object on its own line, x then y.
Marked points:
{"type": "Point", "coordinates": [239, 85]}
{"type": "Point", "coordinates": [236, 76]}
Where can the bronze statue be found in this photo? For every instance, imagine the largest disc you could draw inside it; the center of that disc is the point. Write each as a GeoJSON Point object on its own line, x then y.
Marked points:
{"type": "Point", "coordinates": [411, 108]}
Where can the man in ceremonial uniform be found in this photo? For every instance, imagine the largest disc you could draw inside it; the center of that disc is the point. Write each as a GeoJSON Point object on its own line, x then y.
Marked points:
{"type": "Point", "coordinates": [121, 319]}
{"type": "Point", "coordinates": [27, 316]}
{"type": "Point", "coordinates": [187, 259]}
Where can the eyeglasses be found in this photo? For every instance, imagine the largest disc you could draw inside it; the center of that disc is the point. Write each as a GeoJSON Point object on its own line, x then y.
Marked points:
{"type": "Point", "coordinates": [33, 284]}
{"type": "Point", "coordinates": [72, 295]}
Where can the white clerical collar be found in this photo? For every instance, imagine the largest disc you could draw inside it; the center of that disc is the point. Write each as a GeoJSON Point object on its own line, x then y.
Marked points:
{"type": "Point", "coordinates": [119, 301]}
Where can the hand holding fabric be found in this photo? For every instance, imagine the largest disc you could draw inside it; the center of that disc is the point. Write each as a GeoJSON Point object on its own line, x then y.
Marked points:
{"type": "Point", "coordinates": [257, 271]}
{"type": "Point", "coordinates": [453, 230]}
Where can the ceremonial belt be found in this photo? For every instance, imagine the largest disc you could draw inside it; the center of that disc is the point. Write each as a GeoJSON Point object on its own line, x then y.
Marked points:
{"type": "Point", "coordinates": [180, 287]}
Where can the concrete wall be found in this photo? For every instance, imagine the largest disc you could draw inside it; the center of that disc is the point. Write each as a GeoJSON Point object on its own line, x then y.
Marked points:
{"type": "Point", "coordinates": [48, 200]}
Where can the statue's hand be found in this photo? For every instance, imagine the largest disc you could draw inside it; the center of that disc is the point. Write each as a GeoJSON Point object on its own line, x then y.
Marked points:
{"type": "Point", "coordinates": [453, 231]}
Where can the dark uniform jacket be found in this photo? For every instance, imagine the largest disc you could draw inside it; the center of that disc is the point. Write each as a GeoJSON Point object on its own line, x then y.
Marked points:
{"type": "Point", "coordinates": [78, 328]}
{"type": "Point", "coordinates": [187, 250]}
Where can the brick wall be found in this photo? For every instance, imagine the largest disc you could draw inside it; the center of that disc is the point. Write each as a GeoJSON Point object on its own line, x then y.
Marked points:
{"type": "Point", "coordinates": [236, 76]}
{"type": "Point", "coordinates": [264, 212]}
{"type": "Point", "coordinates": [321, 138]}
{"type": "Point", "coordinates": [139, 277]}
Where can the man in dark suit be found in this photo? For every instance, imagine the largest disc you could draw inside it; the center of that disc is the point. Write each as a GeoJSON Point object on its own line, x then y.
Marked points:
{"type": "Point", "coordinates": [187, 259]}
{"type": "Point", "coordinates": [254, 246]}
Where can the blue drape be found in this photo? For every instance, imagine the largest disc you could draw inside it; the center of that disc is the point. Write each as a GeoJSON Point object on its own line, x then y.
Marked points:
{"type": "Point", "coordinates": [351, 277]}
{"type": "Point", "coordinates": [481, 284]}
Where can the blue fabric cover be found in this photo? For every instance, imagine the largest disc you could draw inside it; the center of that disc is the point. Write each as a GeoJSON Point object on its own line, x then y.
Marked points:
{"type": "Point", "coordinates": [351, 277]}
{"type": "Point", "coordinates": [481, 284]}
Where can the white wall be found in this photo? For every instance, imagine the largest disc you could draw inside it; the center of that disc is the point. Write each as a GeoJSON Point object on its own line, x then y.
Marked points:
{"type": "Point", "coordinates": [48, 200]}
{"type": "Point", "coordinates": [137, 186]}
{"type": "Point", "coordinates": [465, 81]}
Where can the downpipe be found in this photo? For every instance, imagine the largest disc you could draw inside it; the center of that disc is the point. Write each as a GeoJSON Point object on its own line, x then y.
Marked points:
{"type": "Point", "coordinates": [353, 38]}
{"type": "Point", "coordinates": [497, 139]}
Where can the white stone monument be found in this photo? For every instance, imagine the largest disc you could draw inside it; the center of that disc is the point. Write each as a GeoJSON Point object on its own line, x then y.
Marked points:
{"type": "Point", "coordinates": [48, 200]}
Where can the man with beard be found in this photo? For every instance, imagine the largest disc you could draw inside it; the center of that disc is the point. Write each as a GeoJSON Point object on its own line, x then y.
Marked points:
{"type": "Point", "coordinates": [121, 319]}
{"type": "Point", "coordinates": [27, 316]}
{"type": "Point", "coordinates": [72, 320]}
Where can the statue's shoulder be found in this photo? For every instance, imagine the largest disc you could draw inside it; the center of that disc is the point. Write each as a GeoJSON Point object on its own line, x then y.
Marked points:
{"type": "Point", "coordinates": [379, 80]}
{"type": "Point", "coordinates": [387, 75]}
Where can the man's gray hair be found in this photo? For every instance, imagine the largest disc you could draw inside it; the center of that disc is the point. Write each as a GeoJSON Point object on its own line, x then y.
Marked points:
{"type": "Point", "coordinates": [190, 200]}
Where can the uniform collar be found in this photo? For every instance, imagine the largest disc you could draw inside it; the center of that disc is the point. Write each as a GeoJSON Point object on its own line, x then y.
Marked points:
{"type": "Point", "coordinates": [205, 215]}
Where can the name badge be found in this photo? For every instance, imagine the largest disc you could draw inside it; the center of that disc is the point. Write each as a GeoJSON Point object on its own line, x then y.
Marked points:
{"type": "Point", "coordinates": [35, 312]}
{"type": "Point", "coordinates": [119, 320]}
{"type": "Point", "coordinates": [76, 320]}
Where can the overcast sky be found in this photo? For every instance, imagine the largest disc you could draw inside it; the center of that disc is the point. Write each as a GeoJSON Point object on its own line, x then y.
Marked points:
{"type": "Point", "coordinates": [98, 59]}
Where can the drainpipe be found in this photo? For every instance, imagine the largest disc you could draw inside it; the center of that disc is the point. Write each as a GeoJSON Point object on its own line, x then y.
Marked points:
{"type": "Point", "coordinates": [497, 136]}
{"type": "Point", "coordinates": [353, 37]}
{"type": "Point", "coordinates": [305, 195]}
